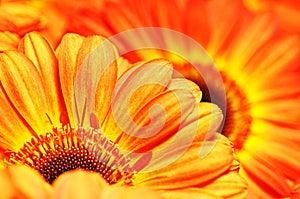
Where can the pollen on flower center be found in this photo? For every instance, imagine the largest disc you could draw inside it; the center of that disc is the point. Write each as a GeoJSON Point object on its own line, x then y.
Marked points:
{"type": "Point", "coordinates": [65, 149]}
{"type": "Point", "coordinates": [238, 119]}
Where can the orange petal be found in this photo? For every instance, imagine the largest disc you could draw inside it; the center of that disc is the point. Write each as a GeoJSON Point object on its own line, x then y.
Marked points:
{"type": "Point", "coordinates": [8, 41]}
{"type": "Point", "coordinates": [40, 52]}
{"type": "Point", "coordinates": [23, 182]}
{"type": "Point", "coordinates": [78, 184]}
{"type": "Point", "coordinates": [270, 178]}
{"type": "Point", "coordinates": [224, 23]}
{"type": "Point", "coordinates": [190, 169]}
{"type": "Point", "coordinates": [283, 155]}
{"type": "Point", "coordinates": [273, 54]}
{"type": "Point", "coordinates": [255, 190]}
{"type": "Point", "coordinates": [296, 190]}
{"type": "Point", "coordinates": [23, 86]}
{"type": "Point", "coordinates": [201, 30]}
{"type": "Point", "coordinates": [286, 12]}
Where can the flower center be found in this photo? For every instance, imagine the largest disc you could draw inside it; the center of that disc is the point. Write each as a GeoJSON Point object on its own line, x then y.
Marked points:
{"type": "Point", "coordinates": [65, 149]}
{"type": "Point", "coordinates": [238, 119]}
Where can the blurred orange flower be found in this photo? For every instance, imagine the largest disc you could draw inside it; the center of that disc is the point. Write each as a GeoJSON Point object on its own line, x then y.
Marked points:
{"type": "Point", "coordinates": [259, 65]}
{"type": "Point", "coordinates": [51, 122]}
{"type": "Point", "coordinates": [18, 17]}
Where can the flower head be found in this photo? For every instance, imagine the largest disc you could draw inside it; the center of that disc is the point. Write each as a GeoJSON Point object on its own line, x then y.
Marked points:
{"type": "Point", "coordinates": [260, 68]}
{"type": "Point", "coordinates": [81, 107]}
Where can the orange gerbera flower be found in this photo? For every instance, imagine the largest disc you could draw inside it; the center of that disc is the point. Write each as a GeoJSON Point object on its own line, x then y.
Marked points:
{"type": "Point", "coordinates": [259, 66]}
{"type": "Point", "coordinates": [66, 110]}
{"type": "Point", "coordinates": [286, 12]}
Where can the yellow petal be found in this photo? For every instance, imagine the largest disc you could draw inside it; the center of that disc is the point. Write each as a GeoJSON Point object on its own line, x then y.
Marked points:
{"type": "Point", "coordinates": [78, 184]}
{"type": "Point", "coordinates": [8, 41]}
{"type": "Point", "coordinates": [129, 193]}
{"type": "Point", "coordinates": [83, 61]}
{"type": "Point", "coordinates": [14, 129]}
{"type": "Point", "coordinates": [163, 124]}
{"type": "Point", "coordinates": [184, 84]}
{"type": "Point", "coordinates": [135, 89]}
{"type": "Point", "coordinates": [97, 76]}
{"type": "Point", "coordinates": [23, 86]}
{"type": "Point", "coordinates": [210, 119]}
{"type": "Point", "coordinates": [123, 66]}
{"type": "Point", "coordinates": [191, 193]}
{"type": "Point", "coordinates": [67, 53]}
{"type": "Point", "coordinates": [40, 52]}
{"type": "Point", "coordinates": [23, 182]}
{"type": "Point", "coordinates": [190, 169]}
{"type": "Point", "coordinates": [230, 185]}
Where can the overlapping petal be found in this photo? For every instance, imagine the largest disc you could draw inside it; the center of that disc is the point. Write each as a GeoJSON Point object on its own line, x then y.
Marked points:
{"type": "Point", "coordinates": [17, 71]}
{"type": "Point", "coordinates": [198, 172]}
{"type": "Point", "coordinates": [40, 52]}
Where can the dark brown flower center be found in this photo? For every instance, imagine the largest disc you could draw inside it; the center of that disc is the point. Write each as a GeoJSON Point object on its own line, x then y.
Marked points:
{"type": "Point", "coordinates": [65, 149]}
{"type": "Point", "coordinates": [238, 119]}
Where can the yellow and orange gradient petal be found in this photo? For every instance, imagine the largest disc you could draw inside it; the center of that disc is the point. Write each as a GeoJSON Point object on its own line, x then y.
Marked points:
{"type": "Point", "coordinates": [41, 119]}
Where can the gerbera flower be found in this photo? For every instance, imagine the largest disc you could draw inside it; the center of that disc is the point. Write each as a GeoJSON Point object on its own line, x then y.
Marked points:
{"type": "Point", "coordinates": [44, 127]}
{"type": "Point", "coordinates": [259, 66]}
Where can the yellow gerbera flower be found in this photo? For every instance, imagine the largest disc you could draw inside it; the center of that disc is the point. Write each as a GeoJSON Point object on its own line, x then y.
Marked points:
{"type": "Point", "coordinates": [259, 66]}
{"type": "Point", "coordinates": [52, 122]}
